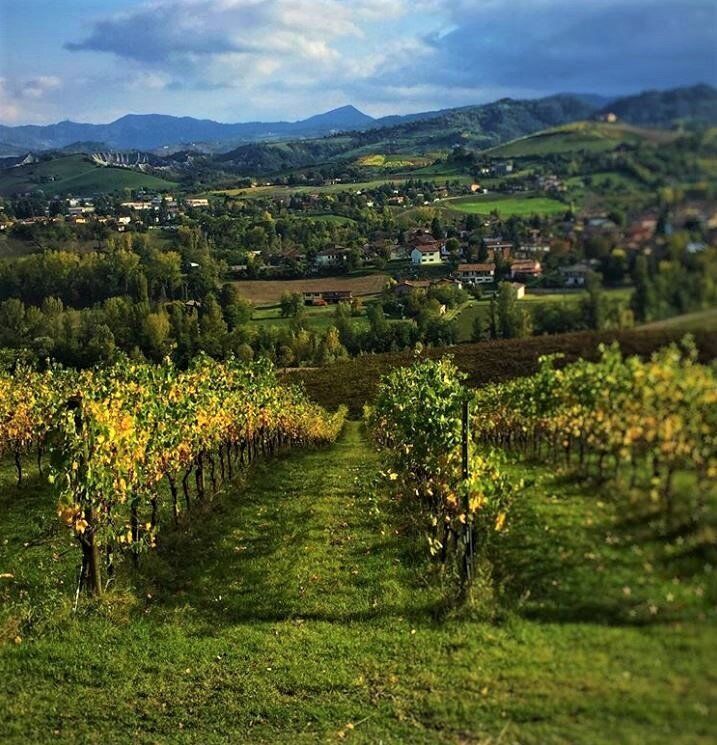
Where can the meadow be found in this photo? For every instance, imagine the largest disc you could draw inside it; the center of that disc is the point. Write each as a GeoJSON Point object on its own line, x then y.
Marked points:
{"type": "Point", "coordinates": [269, 292]}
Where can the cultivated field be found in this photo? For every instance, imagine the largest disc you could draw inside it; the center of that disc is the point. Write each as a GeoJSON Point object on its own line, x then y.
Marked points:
{"type": "Point", "coordinates": [269, 292]}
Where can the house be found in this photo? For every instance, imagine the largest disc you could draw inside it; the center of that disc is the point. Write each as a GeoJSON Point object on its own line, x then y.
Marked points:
{"type": "Point", "coordinates": [398, 253]}
{"type": "Point", "coordinates": [407, 285]}
{"type": "Point", "coordinates": [576, 275]}
{"type": "Point", "coordinates": [475, 274]}
{"type": "Point", "coordinates": [138, 206]}
{"type": "Point", "coordinates": [497, 247]}
{"type": "Point", "coordinates": [427, 255]}
{"type": "Point", "coordinates": [324, 297]}
{"type": "Point", "coordinates": [196, 203]}
{"type": "Point", "coordinates": [332, 257]}
{"type": "Point", "coordinates": [525, 269]}
{"type": "Point", "coordinates": [502, 169]}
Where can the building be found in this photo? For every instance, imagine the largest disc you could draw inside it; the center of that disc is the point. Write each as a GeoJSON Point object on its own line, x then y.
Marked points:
{"type": "Point", "coordinates": [497, 247]}
{"type": "Point", "coordinates": [427, 255]}
{"type": "Point", "coordinates": [325, 297]}
{"type": "Point", "coordinates": [525, 269]}
{"type": "Point", "coordinates": [519, 290]}
{"type": "Point", "coordinates": [476, 274]}
{"type": "Point", "coordinates": [332, 257]}
{"type": "Point", "coordinates": [196, 203]}
{"type": "Point", "coordinates": [576, 275]}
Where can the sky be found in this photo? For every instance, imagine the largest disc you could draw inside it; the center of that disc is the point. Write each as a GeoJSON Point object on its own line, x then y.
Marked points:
{"type": "Point", "coordinates": [270, 60]}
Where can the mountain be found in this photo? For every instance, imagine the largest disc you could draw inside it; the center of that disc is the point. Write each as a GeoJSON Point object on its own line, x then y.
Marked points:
{"type": "Point", "coordinates": [697, 103]}
{"type": "Point", "coordinates": [154, 131]}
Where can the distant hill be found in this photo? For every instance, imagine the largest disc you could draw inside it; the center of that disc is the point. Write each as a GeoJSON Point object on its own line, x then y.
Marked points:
{"type": "Point", "coordinates": [473, 126]}
{"type": "Point", "coordinates": [152, 131]}
{"type": "Point", "coordinates": [75, 174]}
{"type": "Point", "coordinates": [665, 108]}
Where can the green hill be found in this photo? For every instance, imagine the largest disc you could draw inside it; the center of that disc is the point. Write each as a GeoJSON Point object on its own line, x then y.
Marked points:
{"type": "Point", "coordinates": [585, 136]}
{"type": "Point", "coordinates": [75, 174]}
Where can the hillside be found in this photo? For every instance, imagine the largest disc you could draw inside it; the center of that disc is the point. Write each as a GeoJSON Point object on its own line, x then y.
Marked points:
{"type": "Point", "coordinates": [75, 174]}
{"type": "Point", "coordinates": [664, 108]}
{"type": "Point", "coordinates": [588, 136]}
{"type": "Point", "coordinates": [475, 126]}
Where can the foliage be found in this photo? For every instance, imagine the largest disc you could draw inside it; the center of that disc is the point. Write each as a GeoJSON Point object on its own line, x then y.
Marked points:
{"type": "Point", "coordinates": [119, 432]}
{"type": "Point", "coordinates": [417, 422]}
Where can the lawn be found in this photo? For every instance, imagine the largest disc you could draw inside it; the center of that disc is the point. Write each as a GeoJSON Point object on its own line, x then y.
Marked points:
{"type": "Point", "coordinates": [269, 292]}
{"type": "Point", "coordinates": [506, 205]}
{"type": "Point", "coordinates": [302, 609]}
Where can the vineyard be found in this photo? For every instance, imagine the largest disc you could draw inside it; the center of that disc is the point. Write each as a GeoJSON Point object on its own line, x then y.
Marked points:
{"type": "Point", "coordinates": [642, 425]}
{"type": "Point", "coordinates": [529, 561]}
{"type": "Point", "coordinates": [115, 436]}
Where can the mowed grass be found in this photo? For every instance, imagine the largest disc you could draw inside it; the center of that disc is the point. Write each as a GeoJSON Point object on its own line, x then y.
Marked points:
{"type": "Point", "coordinates": [507, 206]}
{"type": "Point", "coordinates": [301, 609]}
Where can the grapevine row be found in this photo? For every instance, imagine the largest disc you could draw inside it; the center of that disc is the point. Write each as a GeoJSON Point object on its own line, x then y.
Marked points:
{"type": "Point", "coordinates": [617, 417]}
{"type": "Point", "coordinates": [129, 438]}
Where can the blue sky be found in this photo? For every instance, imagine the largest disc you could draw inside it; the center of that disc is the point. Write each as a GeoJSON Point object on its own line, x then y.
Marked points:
{"type": "Point", "coordinates": [241, 60]}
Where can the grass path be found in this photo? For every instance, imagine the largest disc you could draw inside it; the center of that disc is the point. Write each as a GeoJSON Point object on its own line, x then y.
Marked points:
{"type": "Point", "coordinates": [298, 611]}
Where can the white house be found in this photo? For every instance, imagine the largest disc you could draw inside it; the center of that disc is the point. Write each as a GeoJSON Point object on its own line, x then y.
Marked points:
{"type": "Point", "coordinates": [426, 255]}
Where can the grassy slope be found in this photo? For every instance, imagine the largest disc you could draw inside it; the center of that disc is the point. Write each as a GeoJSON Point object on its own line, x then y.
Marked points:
{"type": "Point", "coordinates": [590, 136]}
{"type": "Point", "coordinates": [300, 607]}
{"type": "Point", "coordinates": [75, 174]}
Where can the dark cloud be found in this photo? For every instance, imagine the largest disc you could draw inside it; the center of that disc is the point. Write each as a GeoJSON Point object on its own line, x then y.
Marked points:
{"type": "Point", "coordinates": [557, 45]}
{"type": "Point", "coordinates": [157, 35]}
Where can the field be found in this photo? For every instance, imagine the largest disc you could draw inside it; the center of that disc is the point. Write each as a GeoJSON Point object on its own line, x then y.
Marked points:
{"type": "Point", "coordinates": [75, 174]}
{"type": "Point", "coordinates": [588, 136]}
{"type": "Point", "coordinates": [300, 610]}
{"type": "Point", "coordinates": [506, 205]}
{"type": "Point", "coordinates": [268, 292]}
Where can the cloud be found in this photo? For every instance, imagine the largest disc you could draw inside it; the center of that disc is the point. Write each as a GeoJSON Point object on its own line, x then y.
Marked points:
{"type": "Point", "coordinates": [545, 46]}
{"type": "Point", "coordinates": [20, 98]}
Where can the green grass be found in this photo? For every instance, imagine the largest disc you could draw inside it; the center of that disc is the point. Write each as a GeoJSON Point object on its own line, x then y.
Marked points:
{"type": "Point", "coordinates": [319, 318]}
{"type": "Point", "coordinates": [301, 609]}
{"type": "Point", "coordinates": [76, 174]}
{"type": "Point", "coordinates": [507, 205]}
{"type": "Point", "coordinates": [703, 320]}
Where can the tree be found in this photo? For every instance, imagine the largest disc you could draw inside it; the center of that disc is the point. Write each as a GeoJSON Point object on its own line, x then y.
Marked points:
{"type": "Point", "coordinates": [290, 304]}
{"type": "Point", "coordinates": [511, 320]}
{"type": "Point", "coordinates": [212, 328]}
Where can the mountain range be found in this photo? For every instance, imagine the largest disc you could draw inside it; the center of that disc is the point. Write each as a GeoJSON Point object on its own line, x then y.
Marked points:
{"type": "Point", "coordinates": [155, 132]}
